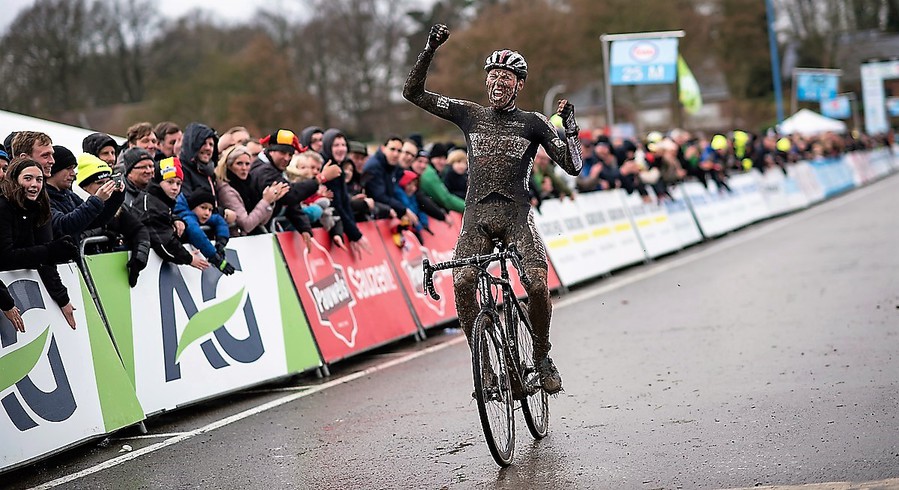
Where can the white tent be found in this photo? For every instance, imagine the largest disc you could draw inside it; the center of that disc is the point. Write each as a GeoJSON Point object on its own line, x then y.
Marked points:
{"type": "Point", "coordinates": [61, 134]}
{"type": "Point", "coordinates": [810, 123]}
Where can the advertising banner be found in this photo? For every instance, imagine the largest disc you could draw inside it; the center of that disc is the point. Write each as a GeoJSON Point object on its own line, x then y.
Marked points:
{"type": "Point", "coordinates": [681, 217]}
{"type": "Point", "coordinates": [747, 191]}
{"type": "Point", "coordinates": [186, 335]}
{"type": "Point", "coordinates": [808, 183]}
{"type": "Point", "coordinates": [352, 305]}
{"type": "Point", "coordinates": [652, 224]}
{"type": "Point", "coordinates": [58, 386]}
{"type": "Point", "coordinates": [837, 107]}
{"type": "Point", "coordinates": [834, 175]}
{"type": "Point", "coordinates": [780, 192]}
{"type": "Point", "coordinates": [610, 229]}
{"type": "Point", "coordinates": [570, 242]}
{"type": "Point", "coordinates": [815, 86]}
{"type": "Point", "coordinates": [892, 104]}
{"type": "Point", "coordinates": [643, 61]}
{"type": "Point", "coordinates": [407, 258]}
{"type": "Point", "coordinates": [713, 211]}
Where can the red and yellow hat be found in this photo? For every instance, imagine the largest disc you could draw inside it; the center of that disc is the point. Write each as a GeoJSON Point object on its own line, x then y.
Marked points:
{"type": "Point", "coordinates": [283, 140]}
{"type": "Point", "coordinates": [169, 168]}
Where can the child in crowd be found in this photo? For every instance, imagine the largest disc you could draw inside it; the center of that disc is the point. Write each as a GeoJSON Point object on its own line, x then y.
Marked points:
{"type": "Point", "coordinates": [153, 207]}
{"type": "Point", "coordinates": [456, 177]}
{"type": "Point", "coordinates": [306, 166]}
{"type": "Point", "coordinates": [405, 192]}
{"type": "Point", "coordinates": [199, 210]}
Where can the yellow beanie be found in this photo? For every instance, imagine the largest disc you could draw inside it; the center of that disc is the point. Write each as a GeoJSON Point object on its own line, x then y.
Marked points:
{"type": "Point", "coordinates": [91, 169]}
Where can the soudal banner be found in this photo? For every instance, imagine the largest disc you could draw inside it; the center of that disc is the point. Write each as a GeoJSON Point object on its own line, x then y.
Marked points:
{"type": "Point", "coordinates": [58, 386]}
{"type": "Point", "coordinates": [185, 335]}
{"type": "Point", "coordinates": [570, 240]}
{"type": "Point", "coordinates": [352, 305]}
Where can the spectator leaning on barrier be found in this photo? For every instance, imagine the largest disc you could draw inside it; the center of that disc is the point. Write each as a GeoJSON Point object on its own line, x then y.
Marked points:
{"type": "Point", "coordinates": [456, 175]}
{"type": "Point", "coordinates": [235, 192]}
{"type": "Point", "coordinates": [153, 207]}
{"type": "Point", "coordinates": [168, 135]}
{"type": "Point", "coordinates": [199, 210]}
{"type": "Point", "coordinates": [139, 168]}
{"type": "Point", "coordinates": [306, 166]}
{"type": "Point", "coordinates": [26, 236]}
{"type": "Point", "coordinates": [70, 214]}
{"type": "Point", "coordinates": [335, 151]}
{"type": "Point", "coordinates": [35, 145]}
{"type": "Point", "coordinates": [439, 153]}
{"type": "Point", "coordinates": [432, 184]}
{"type": "Point", "coordinates": [102, 146]}
{"type": "Point", "coordinates": [381, 177]}
{"type": "Point", "coordinates": [123, 230]}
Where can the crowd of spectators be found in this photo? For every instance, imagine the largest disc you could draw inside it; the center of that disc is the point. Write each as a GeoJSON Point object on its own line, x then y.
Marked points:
{"type": "Point", "coordinates": [165, 188]}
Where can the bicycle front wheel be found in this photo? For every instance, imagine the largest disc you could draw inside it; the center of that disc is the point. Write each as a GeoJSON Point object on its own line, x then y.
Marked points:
{"type": "Point", "coordinates": [492, 389]}
{"type": "Point", "coordinates": [534, 407]}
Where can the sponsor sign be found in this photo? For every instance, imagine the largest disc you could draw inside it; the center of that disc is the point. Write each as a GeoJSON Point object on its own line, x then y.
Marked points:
{"type": "Point", "coordinates": [58, 386]}
{"type": "Point", "coordinates": [643, 61]}
{"type": "Point", "coordinates": [816, 86]}
{"type": "Point", "coordinates": [681, 217]}
{"type": "Point", "coordinates": [837, 107]}
{"type": "Point", "coordinates": [652, 224]}
{"type": "Point", "coordinates": [892, 104]}
{"type": "Point", "coordinates": [186, 335]}
{"type": "Point", "coordinates": [352, 305]}
{"type": "Point", "coordinates": [573, 247]}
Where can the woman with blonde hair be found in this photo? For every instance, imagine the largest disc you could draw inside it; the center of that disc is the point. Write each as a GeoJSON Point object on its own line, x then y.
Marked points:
{"type": "Point", "coordinates": [235, 192]}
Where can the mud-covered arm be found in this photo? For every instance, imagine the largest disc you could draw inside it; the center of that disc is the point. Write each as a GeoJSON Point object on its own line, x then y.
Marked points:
{"type": "Point", "coordinates": [567, 152]}
{"type": "Point", "coordinates": [414, 89]}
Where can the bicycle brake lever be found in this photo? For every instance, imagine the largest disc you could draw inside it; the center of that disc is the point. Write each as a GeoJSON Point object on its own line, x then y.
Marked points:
{"type": "Point", "coordinates": [429, 280]}
{"type": "Point", "coordinates": [516, 261]}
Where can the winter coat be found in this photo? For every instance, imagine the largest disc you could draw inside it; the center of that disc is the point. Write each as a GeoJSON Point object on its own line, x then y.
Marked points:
{"type": "Point", "coordinates": [341, 201]}
{"type": "Point", "coordinates": [72, 215]}
{"type": "Point", "coordinates": [380, 181]}
{"type": "Point", "coordinates": [433, 186]}
{"type": "Point", "coordinates": [247, 222]}
{"type": "Point", "coordinates": [23, 245]}
{"type": "Point", "coordinates": [195, 235]}
{"type": "Point", "coordinates": [197, 175]}
{"type": "Point", "coordinates": [153, 208]}
{"type": "Point", "coordinates": [131, 192]}
{"type": "Point", "coordinates": [263, 173]}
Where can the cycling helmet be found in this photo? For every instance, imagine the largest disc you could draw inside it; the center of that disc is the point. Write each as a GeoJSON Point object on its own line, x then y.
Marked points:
{"type": "Point", "coordinates": [507, 59]}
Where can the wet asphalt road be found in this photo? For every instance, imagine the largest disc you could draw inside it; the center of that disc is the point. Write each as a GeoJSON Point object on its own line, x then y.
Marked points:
{"type": "Point", "coordinates": [768, 357]}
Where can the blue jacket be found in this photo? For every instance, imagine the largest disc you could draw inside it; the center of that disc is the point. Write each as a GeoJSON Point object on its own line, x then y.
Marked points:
{"type": "Point", "coordinates": [192, 231]}
{"type": "Point", "coordinates": [412, 203]}
{"type": "Point", "coordinates": [380, 180]}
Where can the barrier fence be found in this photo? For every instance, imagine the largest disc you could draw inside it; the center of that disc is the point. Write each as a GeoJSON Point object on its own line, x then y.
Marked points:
{"type": "Point", "coordinates": [182, 335]}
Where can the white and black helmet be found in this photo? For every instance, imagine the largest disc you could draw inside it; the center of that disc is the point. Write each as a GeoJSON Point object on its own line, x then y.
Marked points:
{"type": "Point", "coordinates": [507, 59]}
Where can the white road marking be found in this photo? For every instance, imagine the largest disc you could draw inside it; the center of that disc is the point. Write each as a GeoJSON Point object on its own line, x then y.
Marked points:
{"type": "Point", "coordinates": [148, 436]}
{"type": "Point", "coordinates": [242, 415]}
{"type": "Point", "coordinates": [576, 297]}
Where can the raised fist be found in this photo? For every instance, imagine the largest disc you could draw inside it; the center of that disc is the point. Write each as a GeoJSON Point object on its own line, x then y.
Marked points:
{"type": "Point", "coordinates": [438, 35]}
{"type": "Point", "coordinates": [565, 109]}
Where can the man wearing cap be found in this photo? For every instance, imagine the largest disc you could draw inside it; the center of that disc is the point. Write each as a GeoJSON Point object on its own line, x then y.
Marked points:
{"type": "Point", "coordinates": [268, 168]}
{"type": "Point", "coordinates": [139, 169]}
{"type": "Point", "coordinates": [357, 153]}
{"type": "Point", "coordinates": [70, 214]}
{"type": "Point", "coordinates": [102, 146]}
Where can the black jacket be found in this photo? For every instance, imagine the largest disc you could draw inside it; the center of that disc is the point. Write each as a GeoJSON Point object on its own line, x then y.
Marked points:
{"type": "Point", "coordinates": [381, 180]}
{"type": "Point", "coordinates": [198, 176]}
{"type": "Point", "coordinates": [73, 216]}
{"type": "Point", "coordinates": [341, 201]}
{"type": "Point", "coordinates": [23, 245]}
{"type": "Point", "coordinates": [263, 173]}
{"type": "Point", "coordinates": [154, 209]}
{"type": "Point", "coordinates": [123, 229]}
{"type": "Point", "coordinates": [131, 192]}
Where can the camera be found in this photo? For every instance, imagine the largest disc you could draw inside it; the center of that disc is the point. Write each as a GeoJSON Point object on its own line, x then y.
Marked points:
{"type": "Point", "coordinates": [118, 179]}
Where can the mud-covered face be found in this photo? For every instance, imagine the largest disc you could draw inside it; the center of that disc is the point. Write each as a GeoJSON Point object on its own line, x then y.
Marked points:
{"type": "Point", "coordinates": [502, 88]}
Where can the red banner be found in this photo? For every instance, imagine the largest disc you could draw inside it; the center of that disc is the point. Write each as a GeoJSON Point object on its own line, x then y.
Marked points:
{"type": "Point", "coordinates": [352, 305]}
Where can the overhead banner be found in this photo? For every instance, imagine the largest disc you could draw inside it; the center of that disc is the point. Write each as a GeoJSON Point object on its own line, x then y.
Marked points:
{"type": "Point", "coordinates": [643, 61]}
{"type": "Point", "coordinates": [892, 105]}
{"type": "Point", "coordinates": [816, 86]}
{"type": "Point", "coordinates": [837, 107]}
{"type": "Point", "coordinates": [58, 386]}
{"type": "Point", "coordinates": [186, 335]}
{"type": "Point", "coordinates": [352, 305]}
{"type": "Point", "coordinates": [874, 95]}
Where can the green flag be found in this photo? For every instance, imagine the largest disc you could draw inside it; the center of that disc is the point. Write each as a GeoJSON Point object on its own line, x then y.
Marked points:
{"type": "Point", "coordinates": [687, 87]}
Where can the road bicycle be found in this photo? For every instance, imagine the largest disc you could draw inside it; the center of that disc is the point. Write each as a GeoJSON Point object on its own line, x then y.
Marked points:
{"type": "Point", "coordinates": [502, 350]}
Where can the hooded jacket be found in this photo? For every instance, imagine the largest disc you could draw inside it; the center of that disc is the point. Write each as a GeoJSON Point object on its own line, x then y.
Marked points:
{"type": "Point", "coordinates": [198, 175]}
{"type": "Point", "coordinates": [95, 142]}
{"type": "Point", "coordinates": [306, 136]}
{"type": "Point", "coordinates": [341, 201]}
{"type": "Point", "coordinates": [153, 208]}
{"type": "Point", "coordinates": [263, 173]}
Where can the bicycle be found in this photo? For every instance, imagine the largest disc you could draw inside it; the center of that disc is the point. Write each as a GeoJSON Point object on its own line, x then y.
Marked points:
{"type": "Point", "coordinates": [502, 349]}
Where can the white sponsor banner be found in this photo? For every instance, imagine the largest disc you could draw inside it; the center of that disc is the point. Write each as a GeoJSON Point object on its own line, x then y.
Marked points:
{"type": "Point", "coordinates": [48, 396]}
{"type": "Point", "coordinates": [747, 191]}
{"type": "Point", "coordinates": [653, 227]}
{"type": "Point", "coordinates": [880, 161]}
{"type": "Point", "coordinates": [808, 183]}
{"type": "Point", "coordinates": [199, 334]}
{"type": "Point", "coordinates": [780, 192]}
{"type": "Point", "coordinates": [682, 219]}
{"type": "Point", "coordinates": [575, 252]}
{"type": "Point", "coordinates": [714, 214]}
{"type": "Point", "coordinates": [617, 235]}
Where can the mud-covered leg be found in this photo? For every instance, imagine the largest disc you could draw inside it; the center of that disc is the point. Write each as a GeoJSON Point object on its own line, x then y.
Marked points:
{"type": "Point", "coordinates": [539, 311]}
{"type": "Point", "coordinates": [465, 283]}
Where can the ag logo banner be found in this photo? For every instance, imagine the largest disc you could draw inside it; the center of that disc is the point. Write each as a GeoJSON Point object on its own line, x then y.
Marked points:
{"type": "Point", "coordinates": [51, 394]}
{"type": "Point", "coordinates": [186, 335]}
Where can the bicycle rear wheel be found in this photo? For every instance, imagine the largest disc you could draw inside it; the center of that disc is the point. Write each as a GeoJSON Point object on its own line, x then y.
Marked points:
{"type": "Point", "coordinates": [492, 389]}
{"type": "Point", "coordinates": [534, 407]}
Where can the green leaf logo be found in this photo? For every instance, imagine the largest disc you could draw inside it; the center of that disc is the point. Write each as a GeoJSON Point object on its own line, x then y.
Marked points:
{"type": "Point", "coordinates": [208, 320]}
{"type": "Point", "coordinates": [18, 363]}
